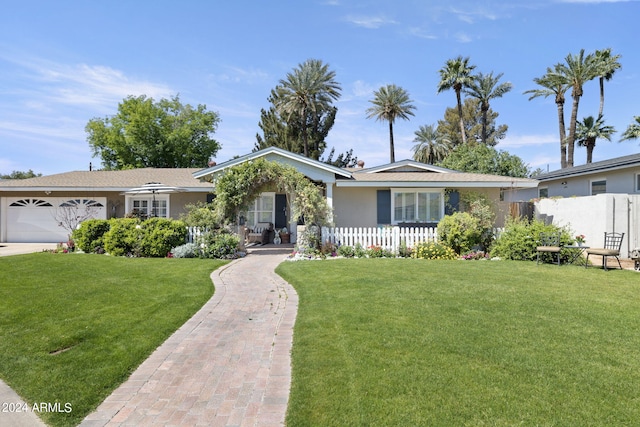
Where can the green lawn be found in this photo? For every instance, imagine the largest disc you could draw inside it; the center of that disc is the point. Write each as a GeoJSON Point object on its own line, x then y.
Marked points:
{"type": "Point", "coordinates": [404, 342]}
{"type": "Point", "coordinates": [75, 326]}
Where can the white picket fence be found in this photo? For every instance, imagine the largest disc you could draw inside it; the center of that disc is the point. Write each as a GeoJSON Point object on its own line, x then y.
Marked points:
{"type": "Point", "coordinates": [390, 238]}
{"type": "Point", "coordinates": [194, 232]}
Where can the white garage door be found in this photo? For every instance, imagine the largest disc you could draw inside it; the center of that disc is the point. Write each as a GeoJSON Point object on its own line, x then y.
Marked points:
{"type": "Point", "coordinates": [37, 220]}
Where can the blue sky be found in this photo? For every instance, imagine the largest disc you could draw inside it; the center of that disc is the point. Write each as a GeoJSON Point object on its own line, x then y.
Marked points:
{"type": "Point", "coordinates": [65, 62]}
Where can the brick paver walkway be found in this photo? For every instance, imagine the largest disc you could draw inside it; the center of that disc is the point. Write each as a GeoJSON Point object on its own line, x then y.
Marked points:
{"type": "Point", "coordinates": [229, 365]}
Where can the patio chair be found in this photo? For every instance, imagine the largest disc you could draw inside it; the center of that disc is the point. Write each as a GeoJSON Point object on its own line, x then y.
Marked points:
{"type": "Point", "coordinates": [549, 243]}
{"type": "Point", "coordinates": [612, 245]}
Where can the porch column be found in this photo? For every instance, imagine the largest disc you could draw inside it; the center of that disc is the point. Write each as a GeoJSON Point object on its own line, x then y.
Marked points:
{"type": "Point", "coordinates": [329, 186]}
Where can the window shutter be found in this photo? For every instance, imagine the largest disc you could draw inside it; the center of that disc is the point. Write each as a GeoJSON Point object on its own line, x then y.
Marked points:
{"type": "Point", "coordinates": [384, 206]}
{"type": "Point", "coordinates": [453, 203]}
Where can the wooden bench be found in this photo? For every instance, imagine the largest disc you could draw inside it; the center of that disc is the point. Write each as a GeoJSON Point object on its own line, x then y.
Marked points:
{"type": "Point", "coordinates": [254, 235]}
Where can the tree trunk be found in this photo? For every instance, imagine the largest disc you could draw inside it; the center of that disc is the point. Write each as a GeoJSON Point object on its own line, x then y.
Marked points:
{"type": "Point", "coordinates": [563, 135]}
{"type": "Point", "coordinates": [572, 130]}
{"type": "Point", "coordinates": [392, 154]}
{"type": "Point", "coordinates": [591, 144]}
{"type": "Point", "coordinates": [485, 108]}
{"type": "Point", "coordinates": [462, 132]}
{"type": "Point", "coordinates": [601, 97]}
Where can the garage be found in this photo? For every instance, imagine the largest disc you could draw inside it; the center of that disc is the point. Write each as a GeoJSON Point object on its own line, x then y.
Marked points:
{"type": "Point", "coordinates": [39, 219]}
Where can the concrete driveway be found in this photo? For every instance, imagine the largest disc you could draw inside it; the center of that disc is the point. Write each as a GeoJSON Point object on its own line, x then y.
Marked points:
{"type": "Point", "coordinates": [7, 249]}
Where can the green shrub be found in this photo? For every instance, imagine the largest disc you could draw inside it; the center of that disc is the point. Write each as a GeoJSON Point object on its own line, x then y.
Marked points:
{"type": "Point", "coordinates": [520, 238]}
{"type": "Point", "coordinates": [376, 251]}
{"type": "Point", "coordinates": [220, 244]}
{"type": "Point", "coordinates": [160, 235]}
{"type": "Point", "coordinates": [359, 251]}
{"type": "Point", "coordinates": [433, 250]}
{"type": "Point", "coordinates": [346, 251]}
{"type": "Point", "coordinates": [460, 232]}
{"type": "Point", "coordinates": [89, 236]}
{"type": "Point", "coordinates": [124, 237]}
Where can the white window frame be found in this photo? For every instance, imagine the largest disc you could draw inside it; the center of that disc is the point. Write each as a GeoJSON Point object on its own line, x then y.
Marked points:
{"type": "Point", "coordinates": [160, 198]}
{"type": "Point", "coordinates": [253, 218]}
{"type": "Point", "coordinates": [415, 191]}
{"type": "Point", "coordinates": [594, 181]}
{"type": "Point", "coordinates": [637, 183]}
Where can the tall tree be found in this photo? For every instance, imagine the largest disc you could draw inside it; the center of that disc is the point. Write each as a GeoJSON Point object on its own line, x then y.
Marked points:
{"type": "Point", "coordinates": [305, 95]}
{"type": "Point", "coordinates": [553, 84]}
{"type": "Point", "coordinates": [21, 175]}
{"type": "Point", "coordinates": [456, 75]}
{"type": "Point", "coordinates": [576, 71]}
{"type": "Point", "coordinates": [590, 129]}
{"type": "Point", "coordinates": [431, 147]}
{"type": "Point", "coordinates": [286, 132]}
{"type": "Point", "coordinates": [633, 130]}
{"type": "Point", "coordinates": [485, 88]}
{"type": "Point", "coordinates": [164, 134]}
{"type": "Point", "coordinates": [472, 120]}
{"type": "Point", "coordinates": [389, 103]}
{"type": "Point", "coordinates": [480, 158]}
{"type": "Point", "coordinates": [606, 65]}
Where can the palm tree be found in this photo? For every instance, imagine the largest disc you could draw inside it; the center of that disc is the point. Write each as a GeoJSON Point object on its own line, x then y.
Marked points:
{"type": "Point", "coordinates": [486, 88]}
{"type": "Point", "coordinates": [431, 147]}
{"type": "Point", "coordinates": [389, 103]}
{"type": "Point", "coordinates": [553, 84]}
{"type": "Point", "coordinates": [606, 65]}
{"type": "Point", "coordinates": [576, 71]}
{"type": "Point", "coordinates": [456, 75]}
{"type": "Point", "coordinates": [633, 131]}
{"type": "Point", "coordinates": [590, 129]}
{"type": "Point", "coordinates": [306, 94]}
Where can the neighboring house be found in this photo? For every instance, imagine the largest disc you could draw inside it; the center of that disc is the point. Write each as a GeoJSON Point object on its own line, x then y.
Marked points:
{"type": "Point", "coordinates": [620, 175]}
{"type": "Point", "coordinates": [405, 193]}
{"type": "Point", "coordinates": [31, 210]}
{"type": "Point", "coordinates": [402, 193]}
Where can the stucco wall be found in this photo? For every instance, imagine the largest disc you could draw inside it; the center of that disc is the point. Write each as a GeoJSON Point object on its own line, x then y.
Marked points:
{"type": "Point", "coordinates": [595, 215]}
{"type": "Point", "coordinates": [622, 181]}
{"type": "Point", "coordinates": [355, 207]}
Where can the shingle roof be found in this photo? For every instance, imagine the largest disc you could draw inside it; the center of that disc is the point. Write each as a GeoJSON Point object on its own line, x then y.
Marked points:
{"type": "Point", "coordinates": [111, 180]}
{"type": "Point", "coordinates": [437, 179]}
{"type": "Point", "coordinates": [632, 160]}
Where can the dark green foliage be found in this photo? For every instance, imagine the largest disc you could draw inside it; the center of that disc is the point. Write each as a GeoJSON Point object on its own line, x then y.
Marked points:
{"type": "Point", "coordinates": [460, 231]}
{"type": "Point", "coordinates": [20, 175]}
{"type": "Point", "coordinates": [520, 238]}
{"type": "Point", "coordinates": [123, 237]}
{"type": "Point", "coordinates": [479, 158]}
{"type": "Point", "coordinates": [159, 235]}
{"type": "Point", "coordinates": [221, 244]}
{"type": "Point", "coordinates": [146, 133]}
{"type": "Point", "coordinates": [89, 236]}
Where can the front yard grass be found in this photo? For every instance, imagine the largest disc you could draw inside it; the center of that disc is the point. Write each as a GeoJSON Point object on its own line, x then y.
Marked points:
{"type": "Point", "coordinates": [74, 326]}
{"type": "Point", "coordinates": [399, 342]}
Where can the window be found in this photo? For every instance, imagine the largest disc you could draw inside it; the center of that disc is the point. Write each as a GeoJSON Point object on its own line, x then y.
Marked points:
{"type": "Point", "coordinates": [543, 192]}
{"type": "Point", "coordinates": [638, 183]}
{"type": "Point", "coordinates": [598, 187]}
{"type": "Point", "coordinates": [146, 207]}
{"type": "Point", "coordinates": [262, 209]}
{"type": "Point", "coordinates": [417, 206]}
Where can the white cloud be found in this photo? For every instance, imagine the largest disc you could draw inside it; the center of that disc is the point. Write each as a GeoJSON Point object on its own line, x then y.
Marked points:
{"type": "Point", "coordinates": [514, 141]}
{"type": "Point", "coordinates": [371, 22]}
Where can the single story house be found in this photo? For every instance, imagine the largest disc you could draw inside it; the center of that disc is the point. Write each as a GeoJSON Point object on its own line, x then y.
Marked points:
{"type": "Point", "coordinates": [31, 210]}
{"type": "Point", "coordinates": [406, 193]}
{"type": "Point", "coordinates": [620, 175]}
